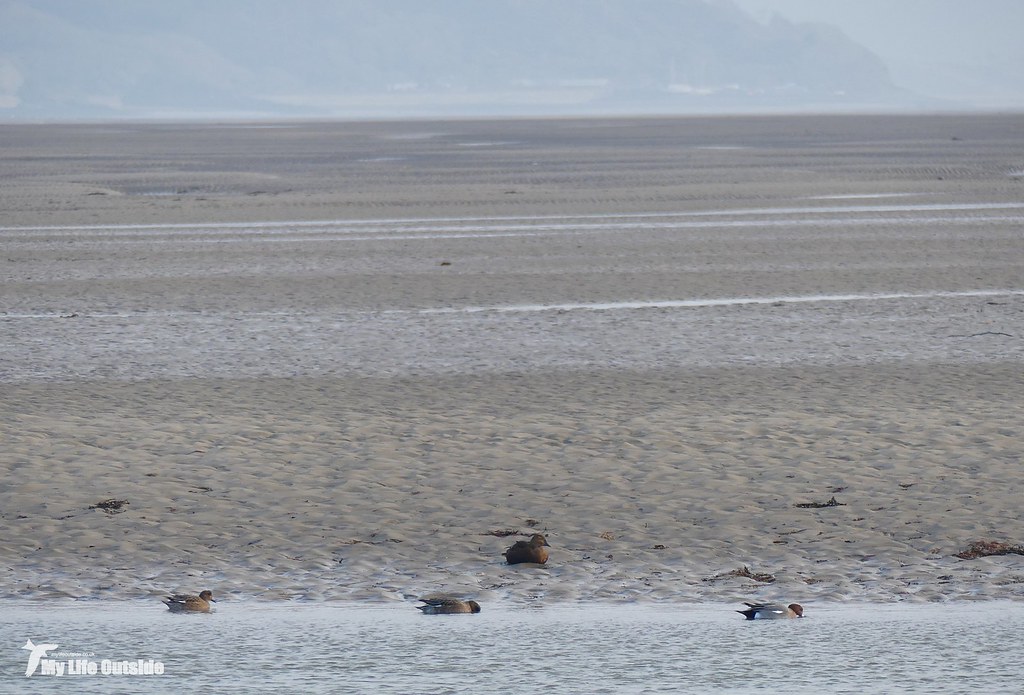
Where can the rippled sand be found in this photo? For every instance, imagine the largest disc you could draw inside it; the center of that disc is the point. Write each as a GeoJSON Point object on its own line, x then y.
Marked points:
{"type": "Point", "coordinates": [345, 361]}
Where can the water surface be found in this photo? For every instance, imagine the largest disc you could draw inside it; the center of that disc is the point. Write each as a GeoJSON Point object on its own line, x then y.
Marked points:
{"type": "Point", "coordinates": [648, 648]}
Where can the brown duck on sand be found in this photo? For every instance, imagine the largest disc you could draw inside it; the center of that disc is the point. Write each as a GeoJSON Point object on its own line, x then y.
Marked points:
{"type": "Point", "coordinates": [533, 550]}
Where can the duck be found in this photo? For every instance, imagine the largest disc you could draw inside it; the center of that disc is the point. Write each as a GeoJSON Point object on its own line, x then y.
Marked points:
{"type": "Point", "coordinates": [188, 603]}
{"type": "Point", "coordinates": [533, 550]}
{"type": "Point", "coordinates": [448, 606]}
{"type": "Point", "coordinates": [772, 611]}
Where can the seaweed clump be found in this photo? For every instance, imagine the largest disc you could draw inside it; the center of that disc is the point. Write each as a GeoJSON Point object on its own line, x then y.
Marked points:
{"type": "Point", "coordinates": [744, 572]}
{"type": "Point", "coordinates": [988, 548]}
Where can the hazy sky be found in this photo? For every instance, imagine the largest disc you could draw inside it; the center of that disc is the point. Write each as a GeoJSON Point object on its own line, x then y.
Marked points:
{"type": "Point", "coordinates": [944, 48]}
{"type": "Point", "coordinates": [137, 58]}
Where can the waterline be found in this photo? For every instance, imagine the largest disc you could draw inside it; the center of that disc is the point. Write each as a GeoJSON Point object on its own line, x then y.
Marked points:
{"type": "Point", "coordinates": [730, 301]}
{"type": "Point", "coordinates": [573, 306]}
{"type": "Point", "coordinates": [401, 222]}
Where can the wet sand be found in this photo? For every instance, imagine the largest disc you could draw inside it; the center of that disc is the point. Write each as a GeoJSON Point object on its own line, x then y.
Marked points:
{"type": "Point", "coordinates": [343, 361]}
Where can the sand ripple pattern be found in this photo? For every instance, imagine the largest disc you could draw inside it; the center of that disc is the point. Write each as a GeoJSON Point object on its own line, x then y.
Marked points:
{"type": "Point", "coordinates": [342, 361]}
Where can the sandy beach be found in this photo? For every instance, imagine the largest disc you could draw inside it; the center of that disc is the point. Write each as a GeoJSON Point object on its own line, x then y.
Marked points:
{"type": "Point", "coordinates": [710, 359]}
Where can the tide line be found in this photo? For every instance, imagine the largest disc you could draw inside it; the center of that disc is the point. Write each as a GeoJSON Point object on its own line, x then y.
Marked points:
{"type": "Point", "coordinates": [727, 301]}
{"type": "Point", "coordinates": [518, 308]}
{"type": "Point", "coordinates": [212, 227]}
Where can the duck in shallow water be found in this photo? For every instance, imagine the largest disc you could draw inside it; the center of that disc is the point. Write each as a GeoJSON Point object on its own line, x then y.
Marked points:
{"type": "Point", "coordinates": [772, 611]}
{"type": "Point", "coordinates": [448, 606]}
{"type": "Point", "coordinates": [187, 603]}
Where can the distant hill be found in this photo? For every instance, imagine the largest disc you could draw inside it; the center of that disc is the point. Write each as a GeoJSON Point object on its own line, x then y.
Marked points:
{"type": "Point", "coordinates": [112, 58]}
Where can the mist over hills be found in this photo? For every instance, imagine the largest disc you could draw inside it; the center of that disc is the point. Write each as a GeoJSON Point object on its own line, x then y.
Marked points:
{"type": "Point", "coordinates": [401, 58]}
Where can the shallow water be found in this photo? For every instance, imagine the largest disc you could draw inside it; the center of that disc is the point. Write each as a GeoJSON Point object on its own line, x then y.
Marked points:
{"type": "Point", "coordinates": [320, 648]}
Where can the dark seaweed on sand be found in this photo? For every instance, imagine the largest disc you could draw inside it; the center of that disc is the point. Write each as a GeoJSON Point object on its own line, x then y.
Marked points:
{"type": "Point", "coordinates": [833, 502]}
{"type": "Point", "coordinates": [745, 572]}
{"type": "Point", "coordinates": [989, 548]}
